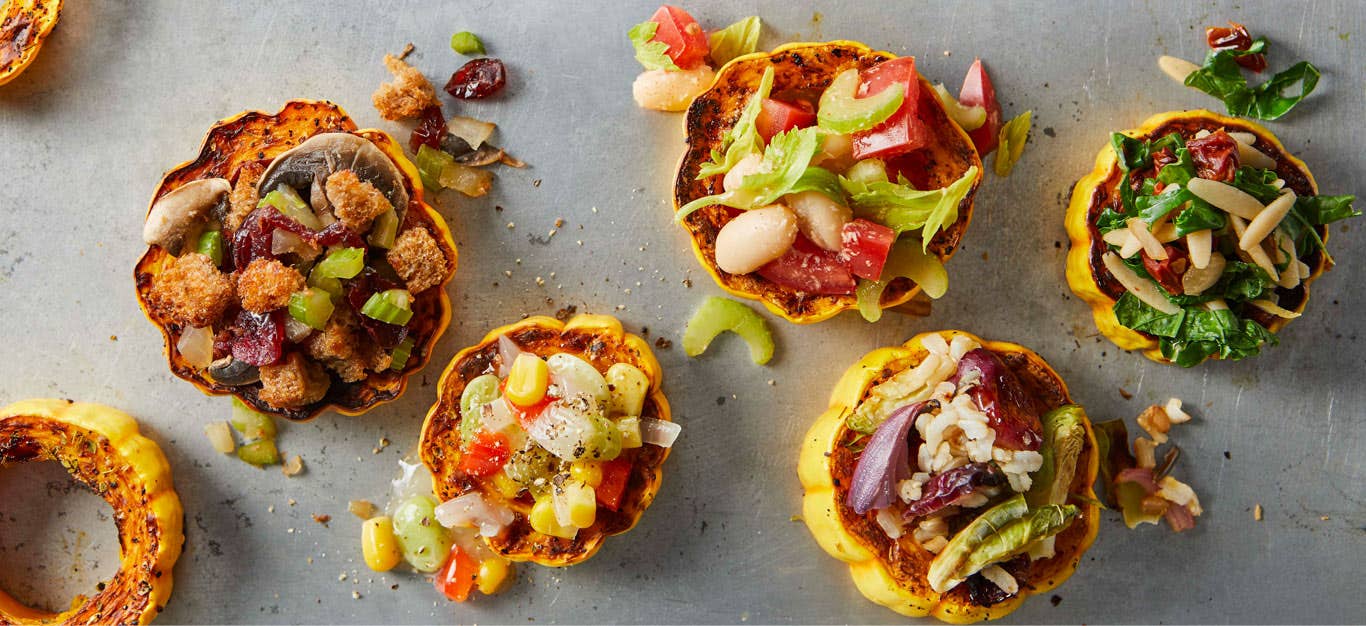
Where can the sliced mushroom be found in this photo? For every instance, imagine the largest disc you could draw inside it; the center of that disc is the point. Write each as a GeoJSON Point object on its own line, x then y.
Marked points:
{"type": "Point", "coordinates": [233, 373]}
{"type": "Point", "coordinates": [177, 214]}
{"type": "Point", "coordinates": [324, 154]}
{"type": "Point", "coordinates": [487, 154]}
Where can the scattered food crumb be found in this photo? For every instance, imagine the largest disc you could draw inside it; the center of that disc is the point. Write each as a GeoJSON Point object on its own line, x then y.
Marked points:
{"type": "Point", "coordinates": [1323, 518]}
{"type": "Point", "coordinates": [113, 337]}
{"type": "Point", "coordinates": [383, 443]}
{"type": "Point", "coordinates": [1124, 393]}
{"type": "Point", "coordinates": [355, 595]}
{"type": "Point", "coordinates": [293, 502]}
{"type": "Point", "coordinates": [559, 222]}
{"type": "Point", "coordinates": [536, 183]}
{"type": "Point", "coordinates": [292, 467]}
{"type": "Point", "coordinates": [1257, 512]}
{"type": "Point", "coordinates": [772, 382]}
{"type": "Point", "coordinates": [1056, 600]}
{"type": "Point", "coordinates": [511, 225]}
{"type": "Point", "coordinates": [363, 509]}
{"type": "Point", "coordinates": [341, 577]}
{"type": "Point", "coordinates": [407, 50]}
{"type": "Point", "coordinates": [795, 518]}
{"type": "Point", "coordinates": [322, 519]}
{"type": "Point", "coordinates": [663, 344]}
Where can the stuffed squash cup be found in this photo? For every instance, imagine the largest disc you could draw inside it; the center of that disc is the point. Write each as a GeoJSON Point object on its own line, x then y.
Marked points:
{"type": "Point", "coordinates": [953, 475]}
{"type": "Point", "coordinates": [294, 264]}
{"type": "Point", "coordinates": [1197, 236]}
{"type": "Point", "coordinates": [102, 449]}
{"type": "Point", "coordinates": [24, 25]}
{"type": "Point", "coordinates": [556, 431]}
{"type": "Point", "coordinates": [823, 177]}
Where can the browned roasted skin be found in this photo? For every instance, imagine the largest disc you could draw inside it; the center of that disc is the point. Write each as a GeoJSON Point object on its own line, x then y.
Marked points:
{"type": "Point", "coordinates": [418, 260]}
{"type": "Point", "coordinates": [192, 291]}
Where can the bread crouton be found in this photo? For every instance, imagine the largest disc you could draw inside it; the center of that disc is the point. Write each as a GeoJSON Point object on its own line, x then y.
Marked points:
{"type": "Point", "coordinates": [293, 382]}
{"type": "Point", "coordinates": [266, 285]}
{"type": "Point", "coordinates": [355, 202]}
{"type": "Point", "coordinates": [243, 198]}
{"type": "Point", "coordinates": [345, 348]}
{"type": "Point", "coordinates": [192, 291]}
{"type": "Point", "coordinates": [407, 96]}
{"type": "Point", "coordinates": [418, 260]}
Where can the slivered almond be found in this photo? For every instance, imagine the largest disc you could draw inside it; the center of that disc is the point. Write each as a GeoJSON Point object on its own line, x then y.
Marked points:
{"type": "Point", "coordinates": [1131, 245]}
{"type": "Point", "coordinates": [1242, 137]}
{"type": "Point", "coordinates": [1118, 237]}
{"type": "Point", "coordinates": [1197, 279]}
{"type": "Point", "coordinates": [1142, 289]}
{"type": "Point", "coordinates": [1248, 155]}
{"type": "Point", "coordinates": [1199, 244]}
{"type": "Point", "coordinates": [1202, 133]}
{"type": "Point", "coordinates": [1274, 309]}
{"type": "Point", "coordinates": [1216, 304]}
{"type": "Point", "coordinates": [1177, 68]}
{"type": "Point", "coordinates": [1139, 229]}
{"type": "Point", "coordinates": [1256, 254]}
{"type": "Point", "coordinates": [1267, 220]}
{"type": "Point", "coordinates": [1285, 246]}
{"type": "Point", "coordinates": [1305, 270]}
{"type": "Point", "coordinates": [1226, 197]}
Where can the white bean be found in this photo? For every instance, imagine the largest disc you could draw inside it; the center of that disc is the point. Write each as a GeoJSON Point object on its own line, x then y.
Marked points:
{"type": "Point", "coordinates": [819, 218]}
{"type": "Point", "coordinates": [837, 153]}
{"type": "Point", "coordinates": [754, 238]}
{"type": "Point", "coordinates": [663, 90]}
{"type": "Point", "coordinates": [742, 168]}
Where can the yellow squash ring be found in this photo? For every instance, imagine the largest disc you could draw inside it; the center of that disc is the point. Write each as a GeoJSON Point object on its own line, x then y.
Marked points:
{"type": "Point", "coordinates": [24, 25]}
{"type": "Point", "coordinates": [807, 66]}
{"type": "Point", "coordinates": [598, 339]}
{"type": "Point", "coordinates": [101, 448]}
{"type": "Point", "coordinates": [256, 136]}
{"type": "Point", "coordinates": [899, 583]}
{"type": "Point", "coordinates": [1094, 192]}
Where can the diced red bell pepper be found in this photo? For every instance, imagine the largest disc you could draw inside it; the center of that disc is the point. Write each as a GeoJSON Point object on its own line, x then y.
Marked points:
{"type": "Point", "coordinates": [807, 267]}
{"type": "Point", "coordinates": [615, 474]}
{"type": "Point", "coordinates": [456, 578]}
{"type": "Point", "coordinates": [977, 91]}
{"type": "Point", "coordinates": [486, 454]}
{"type": "Point", "coordinates": [687, 41]}
{"type": "Point", "coordinates": [525, 415]}
{"type": "Point", "coordinates": [865, 246]}
{"type": "Point", "coordinates": [903, 131]}
{"type": "Point", "coordinates": [776, 116]}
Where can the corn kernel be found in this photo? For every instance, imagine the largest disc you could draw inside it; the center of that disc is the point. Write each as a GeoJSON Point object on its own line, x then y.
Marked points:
{"type": "Point", "coordinates": [588, 472]}
{"type": "Point", "coordinates": [378, 544]}
{"type": "Point", "coordinates": [506, 486]}
{"type": "Point", "coordinates": [527, 381]}
{"type": "Point", "coordinates": [575, 504]}
{"type": "Point", "coordinates": [494, 575]}
{"type": "Point", "coordinates": [628, 386]}
{"type": "Point", "coordinates": [630, 432]}
{"type": "Point", "coordinates": [543, 521]}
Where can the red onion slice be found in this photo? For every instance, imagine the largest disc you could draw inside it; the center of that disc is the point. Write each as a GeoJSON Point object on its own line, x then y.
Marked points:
{"type": "Point", "coordinates": [659, 432]}
{"type": "Point", "coordinates": [946, 488]}
{"type": "Point", "coordinates": [885, 461]}
{"type": "Point", "coordinates": [1009, 409]}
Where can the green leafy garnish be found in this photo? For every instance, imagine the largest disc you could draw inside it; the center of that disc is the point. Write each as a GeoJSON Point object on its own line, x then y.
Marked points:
{"type": "Point", "coordinates": [1222, 77]}
{"type": "Point", "coordinates": [718, 315]}
{"type": "Point", "coordinates": [738, 39]}
{"type": "Point", "coordinates": [742, 139]}
{"type": "Point", "coordinates": [468, 43]}
{"type": "Point", "coordinates": [904, 208]}
{"type": "Point", "coordinates": [1193, 334]}
{"type": "Point", "coordinates": [820, 180]}
{"type": "Point", "coordinates": [785, 160]}
{"type": "Point", "coordinates": [1012, 139]}
{"type": "Point", "coordinates": [653, 55]}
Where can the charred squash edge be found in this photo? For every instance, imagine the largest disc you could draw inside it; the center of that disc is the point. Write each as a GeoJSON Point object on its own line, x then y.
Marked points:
{"type": "Point", "coordinates": [143, 497]}
{"type": "Point", "coordinates": [1082, 277]}
{"type": "Point", "coordinates": [562, 552]}
{"type": "Point", "coordinates": [301, 112]}
{"type": "Point", "coordinates": [821, 505]}
{"type": "Point", "coordinates": [825, 306]}
{"type": "Point", "coordinates": [45, 13]}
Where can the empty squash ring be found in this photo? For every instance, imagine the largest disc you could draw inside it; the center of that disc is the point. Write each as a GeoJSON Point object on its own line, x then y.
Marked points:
{"type": "Point", "coordinates": [101, 448]}
{"type": "Point", "coordinates": [24, 25]}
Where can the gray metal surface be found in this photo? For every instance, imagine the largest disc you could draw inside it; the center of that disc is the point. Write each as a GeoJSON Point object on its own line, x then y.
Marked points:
{"type": "Point", "coordinates": [125, 90]}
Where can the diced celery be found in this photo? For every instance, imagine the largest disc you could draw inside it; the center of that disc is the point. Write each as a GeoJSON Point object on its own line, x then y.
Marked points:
{"type": "Point", "coordinates": [211, 245]}
{"type": "Point", "coordinates": [384, 231]}
{"type": "Point", "coordinates": [430, 162]}
{"type": "Point", "coordinates": [399, 358]}
{"type": "Point", "coordinates": [252, 424]}
{"type": "Point", "coordinates": [467, 43]}
{"type": "Point", "coordinates": [341, 263]}
{"type": "Point", "coordinates": [288, 202]}
{"type": "Point", "coordinates": [393, 306]}
{"type": "Point", "coordinates": [717, 315]}
{"type": "Point", "coordinates": [260, 453]}
{"type": "Point", "coordinates": [842, 111]}
{"type": "Point", "coordinates": [312, 307]}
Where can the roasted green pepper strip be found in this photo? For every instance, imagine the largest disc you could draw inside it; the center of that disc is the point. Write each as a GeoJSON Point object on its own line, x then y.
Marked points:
{"type": "Point", "coordinates": [942, 574]}
{"type": "Point", "coordinates": [1017, 536]}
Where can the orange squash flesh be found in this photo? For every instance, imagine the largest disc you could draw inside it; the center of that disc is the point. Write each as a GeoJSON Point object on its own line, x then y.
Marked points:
{"type": "Point", "coordinates": [24, 25]}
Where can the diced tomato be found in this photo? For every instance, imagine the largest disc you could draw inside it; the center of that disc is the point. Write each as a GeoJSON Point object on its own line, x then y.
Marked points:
{"type": "Point", "coordinates": [977, 91]}
{"type": "Point", "coordinates": [1168, 271]}
{"type": "Point", "coordinates": [777, 116]}
{"type": "Point", "coordinates": [807, 267]}
{"type": "Point", "coordinates": [456, 578]}
{"type": "Point", "coordinates": [486, 454]}
{"type": "Point", "coordinates": [687, 41]}
{"type": "Point", "coordinates": [615, 474]}
{"type": "Point", "coordinates": [915, 167]}
{"type": "Point", "coordinates": [903, 131]}
{"type": "Point", "coordinates": [865, 246]}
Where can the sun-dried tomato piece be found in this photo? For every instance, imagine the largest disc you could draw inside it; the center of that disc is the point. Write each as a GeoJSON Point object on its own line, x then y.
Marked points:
{"type": "Point", "coordinates": [477, 79]}
{"type": "Point", "coordinates": [261, 337]}
{"type": "Point", "coordinates": [1168, 271]}
{"type": "Point", "coordinates": [944, 489]}
{"type": "Point", "coordinates": [1215, 156]}
{"type": "Point", "coordinates": [1235, 37]}
{"type": "Point", "coordinates": [430, 130]}
{"type": "Point", "coordinates": [1009, 409]}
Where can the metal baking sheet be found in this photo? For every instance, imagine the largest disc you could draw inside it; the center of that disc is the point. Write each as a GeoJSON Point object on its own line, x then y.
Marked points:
{"type": "Point", "coordinates": [125, 90]}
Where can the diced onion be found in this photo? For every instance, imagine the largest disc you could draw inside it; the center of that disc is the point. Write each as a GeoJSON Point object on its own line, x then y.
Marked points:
{"type": "Point", "coordinates": [1226, 197]}
{"type": "Point", "coordinates": [285, 242]}
{"type": "Point", "coordinates": [658, 432]}
{"type": "Point", "coordinates": [471, 181]}
{"type": "Point", "coordinates": [220, 436]}
{"type": "Point", "coordinates": [1139, 229]}
{"type": "Point", "coordinates": [473, 510]}
{"type": "Point", "coordinates": [474, 132]}
{"type": "Point", "coordinates": [1002, 579]}
{"type": "Point", "coordinates": [296, 331]}
{"type": "Point", "coordinates": [1266, 221]}
{"type": "Point", "coordinates": [1142, 289]}
{"type": "Point", "coordinates": [196, 345]}
{"type": "Point", "coordinates": [507, 353]}
{"type": "Point", "coordinates": [1177, 68]}
{"type": "Point", "coordinates": [1274, 309]}
{"type": "Point", "coordinates": [1197, 279]}
{"type": "Point", "coordinates": [1199, 244]}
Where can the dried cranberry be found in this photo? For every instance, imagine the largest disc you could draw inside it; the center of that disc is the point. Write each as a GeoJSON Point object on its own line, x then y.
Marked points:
{"type": "Point", "coordinates": [358, 291]}
{"type": "Point", "coordinates": [337, 233]}
{"type": "Point", "coordinates": [944, 489]}
{"type": "Point", "coordinates": [1168, 271]}
{"type": "Point", "coordinates": [1215, 156]}
{"type": "Point", "coordinates": [252, 239]}
{"type": "Point", "coordinates": [261, 337]}
{"type": "Point", "coordinates": [1235, 37]}
{"type": "Point", "coordinates": [1009, 409]}
{"type": "Point", "coordinates": [430, 130]}
{"type": "Point", "coordinates": [477, 79]}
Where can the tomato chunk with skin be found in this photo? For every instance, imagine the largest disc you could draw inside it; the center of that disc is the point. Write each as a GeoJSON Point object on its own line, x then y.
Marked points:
{"type": "Point", "coordinates": [486, 455]}
{"type": "Point", "coordinates": [978, 91]}
{"type": "Point", "coordinates": [902, 132]}
{"type": "Point", "coordinates": [615, 474]}
{"type": "Point", "coordinates": [687, 41]}
{"type": "Point", "coordinates": [807, 267]}
{"type": "Point", "coordinates": [456, 578]}
{"type": "Point", "coordinates": [776, 116]}
{"type": "Point", "coordinates": [865, 246]}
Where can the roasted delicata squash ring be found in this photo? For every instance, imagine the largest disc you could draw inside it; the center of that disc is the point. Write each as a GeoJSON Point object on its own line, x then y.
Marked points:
{"type": "Point", "coordinates": [101, 448]}
{"type": "Point", "coordinates": [599, 340]}
{"type": "Point", "coordinates": [253, 138]}
{"type": "Point", "coordinates": [894, 573]}
{"type": "Point", "coordinates": [24, 25]}
{"type": "Point", "coordinates": [1093, 282]}
{"type": "Point", "coordinates": [798, 67]}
